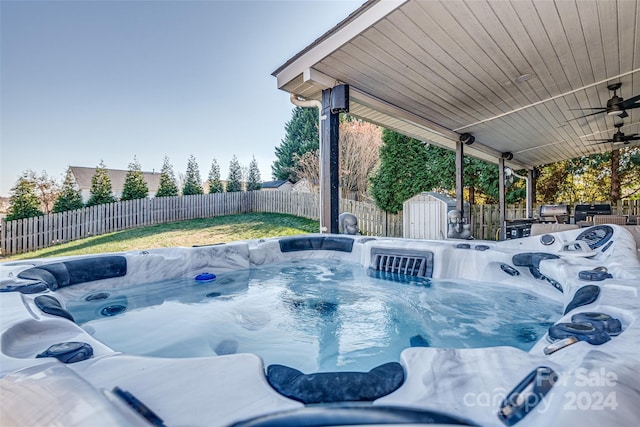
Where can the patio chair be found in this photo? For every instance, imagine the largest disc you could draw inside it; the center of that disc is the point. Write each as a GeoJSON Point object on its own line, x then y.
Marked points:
{"type": "Point", "coordinates": [610, 219]}
{"type": "Point", "coordinates": [542, 228]}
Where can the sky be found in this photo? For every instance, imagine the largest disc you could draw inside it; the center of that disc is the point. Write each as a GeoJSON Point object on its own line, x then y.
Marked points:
{"type": "Point", "coordinates": [88, 81]}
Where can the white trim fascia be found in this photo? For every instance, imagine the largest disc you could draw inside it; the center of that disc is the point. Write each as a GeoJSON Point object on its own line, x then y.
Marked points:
{"type": "Point", "coordinates": [314, 55]}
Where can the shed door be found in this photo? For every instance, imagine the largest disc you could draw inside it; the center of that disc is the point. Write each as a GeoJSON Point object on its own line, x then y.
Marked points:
{"type": "Point", "coordinates": [426, 221]}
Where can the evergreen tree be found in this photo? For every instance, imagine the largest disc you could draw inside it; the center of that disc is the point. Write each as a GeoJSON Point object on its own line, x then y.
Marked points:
{"type": "Point", "coordinates": [234, 182]}
{"type": "Point", "coordinates": [101, 190]}
{"type": "Point", "coordinates": [480, 177]}
{"type": "Point", "coordinates": [402, 173]}
{"type": "Point", "coordinates": [135, 187]}
{"type": "Point", "coordinates": [301, 137]}
{"type": "Point", "coordinates": [254, 182]}
{"type": "Point", "coordinates": [24, 200]}
{"type": "Point", "coordinates": [69, 198]}
{"type": "Point", "coordinates": [192, 181]}
{"type": "Point", "coordinates": [168, 186]}
{"type": "Point", "coordinates": [215, 185]}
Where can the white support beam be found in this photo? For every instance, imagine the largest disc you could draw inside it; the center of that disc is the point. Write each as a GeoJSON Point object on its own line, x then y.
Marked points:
{"type": "Point", "coordinates": [318, 78]}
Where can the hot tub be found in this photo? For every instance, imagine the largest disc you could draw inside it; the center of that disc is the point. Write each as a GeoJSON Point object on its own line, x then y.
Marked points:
{"type": "Point", "coordinates": [534, 331]}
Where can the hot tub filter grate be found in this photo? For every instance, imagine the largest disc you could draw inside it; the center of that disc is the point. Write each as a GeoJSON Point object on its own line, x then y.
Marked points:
{"type": "Point", "coordinates": [415, 264]}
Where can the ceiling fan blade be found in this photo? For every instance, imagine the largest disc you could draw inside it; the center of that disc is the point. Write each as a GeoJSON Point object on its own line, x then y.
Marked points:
{"type": "Point", "coordinates": [588, 108]}
{"type": "Point", "coordinates": [630, 103]}
{"type": "Point", "coordinates": [600, 141]}
{"type": "Point", "coordinates": [623, 114]}
{"type": "Point", "coordinates": [587, 115]}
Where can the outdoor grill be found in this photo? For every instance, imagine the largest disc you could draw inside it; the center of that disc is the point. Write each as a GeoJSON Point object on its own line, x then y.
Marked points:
{"type": "Point", "coordinates": [554, 213]}
{"type": "Point", "coordinates": [583, 211]}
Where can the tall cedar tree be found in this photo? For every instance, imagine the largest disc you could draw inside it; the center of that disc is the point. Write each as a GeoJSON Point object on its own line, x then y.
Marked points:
{"type": "Point", "coordinates": [168, 186]}
{"type": "Point", "coordinates": [192, 182]}
{"type": "Point", "coordinates": [301, 137]}
{"type": "Point", "coordinates": [402, 173]}
{"type": "Point", "coordinates": [69, 198]}
{"type": "Point", "coordinates": [135, 186]}
{"type": "Point", "coordinates": [215, 185]}
{"type": "Point", "coordinates": [24, 200]}
{"type": "Point", "coordinates": [234, 181]}
{"type": "Point", "coordinates": [101, 190]}
{"type": "Point", "coordinates": [480, 177]}
{"type": "Point", "coordinates": [254, 182]}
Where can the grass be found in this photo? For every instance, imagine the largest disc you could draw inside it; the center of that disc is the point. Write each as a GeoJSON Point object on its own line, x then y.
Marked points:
{"type": "Point", "coordinates": [207, 231]}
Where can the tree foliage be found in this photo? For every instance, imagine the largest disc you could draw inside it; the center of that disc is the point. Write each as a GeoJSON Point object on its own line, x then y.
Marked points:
{"type": "Point", "coordinates": [215, 185]}
{"type": "Point", "coordinates": [47, 189]}
{"type": "Point", "coordinates": [69, 198]}
{"type": "Point", "coordinates": [192, 181]}
{"type": "Point", "coordinates": [408, 167]}
{"type": "Point", "coordinates": [301, 137]}
{"type": "Point", "coordinates": [135, 186]}
{"type": "Point", "coordinates": [254, 182]}
{"type": "Point", "coordinates": [402, 173]}
{"type": "Point", "coordinates": [168, 186]}
{"type": "Point", "coordinates": [101, 189]}
{"type": "Point", "coordinates": [234, 181]}
{"type": "Point", "coordinates": [24, 200]}
{"type": "Point", "coordinates": [608, 176]}
{"type": "Point", "coordinates": [628, 173]}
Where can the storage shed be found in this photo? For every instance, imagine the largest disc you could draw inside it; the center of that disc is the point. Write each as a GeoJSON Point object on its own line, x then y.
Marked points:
{"type": "Point", "coordinates": [425, 215]}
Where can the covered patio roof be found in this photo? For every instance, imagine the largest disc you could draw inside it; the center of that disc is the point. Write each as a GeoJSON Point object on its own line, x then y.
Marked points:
{"type": "Point", "coordinates": [508, 72]}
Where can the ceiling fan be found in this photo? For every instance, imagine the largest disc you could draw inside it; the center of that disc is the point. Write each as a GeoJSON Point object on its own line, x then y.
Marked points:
{"type": "Point", "coordinates": [616, 106]}
{"type": "Point", "coordinates": [618, 137]}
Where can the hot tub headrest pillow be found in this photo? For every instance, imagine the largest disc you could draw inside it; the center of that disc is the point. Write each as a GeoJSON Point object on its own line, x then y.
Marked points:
{"type": "Point", "coordinates": [67, 273]}
{"type": "Point", "coordinates": [329, 387]}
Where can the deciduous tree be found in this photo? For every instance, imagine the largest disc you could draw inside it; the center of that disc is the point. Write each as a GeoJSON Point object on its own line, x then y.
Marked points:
{"type": "Point", "coordinates": [47, 189]}
{"type": "Point", "coordinates": [627, 174]}
{"type": "Point", "coordinates": [359, 144]}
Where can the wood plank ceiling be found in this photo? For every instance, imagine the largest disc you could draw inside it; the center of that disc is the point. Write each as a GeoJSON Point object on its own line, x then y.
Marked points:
{"type": "Point", "coordinates": [434, 69]}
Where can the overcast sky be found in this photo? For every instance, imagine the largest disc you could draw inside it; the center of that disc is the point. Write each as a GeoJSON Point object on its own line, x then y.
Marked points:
{"type": "Point", "coordinates": [85, 81]}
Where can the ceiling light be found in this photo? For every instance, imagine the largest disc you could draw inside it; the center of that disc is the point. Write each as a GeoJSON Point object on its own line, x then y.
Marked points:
{"type": "Point", "coordinates": [523, 78]}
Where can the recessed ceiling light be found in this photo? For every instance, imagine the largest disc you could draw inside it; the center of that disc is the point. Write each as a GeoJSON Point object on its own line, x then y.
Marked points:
{"type": "Point", "coordinates": [523, 78]}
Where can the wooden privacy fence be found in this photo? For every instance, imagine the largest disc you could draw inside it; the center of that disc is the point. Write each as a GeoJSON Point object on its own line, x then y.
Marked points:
{"type": "Point", "coordinates": [30, 234]}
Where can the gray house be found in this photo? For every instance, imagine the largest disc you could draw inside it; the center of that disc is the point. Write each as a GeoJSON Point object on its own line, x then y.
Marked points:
{"type": "Point", "coordinates": [83, 176]}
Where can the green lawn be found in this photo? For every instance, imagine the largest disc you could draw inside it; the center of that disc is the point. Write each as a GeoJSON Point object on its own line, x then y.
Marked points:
{"type": "Point", "coordinates": [208, 231]}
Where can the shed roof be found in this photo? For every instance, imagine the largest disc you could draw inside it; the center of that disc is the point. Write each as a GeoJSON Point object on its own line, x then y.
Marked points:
{"type": "Point", "coordinates": [515, 74]}
{"type": "Point", "coordinates": [274, 184]}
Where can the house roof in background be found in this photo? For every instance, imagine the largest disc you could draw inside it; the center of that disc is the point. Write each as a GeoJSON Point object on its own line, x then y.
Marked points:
{"type": "Point", "coordinates": [84, 175]}
{"type": "Point", "coordinates": [274, 184]}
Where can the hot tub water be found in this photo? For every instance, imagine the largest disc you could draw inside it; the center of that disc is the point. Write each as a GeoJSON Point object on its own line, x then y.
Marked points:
{"type": "Point", "coordinates": [312, 315]}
